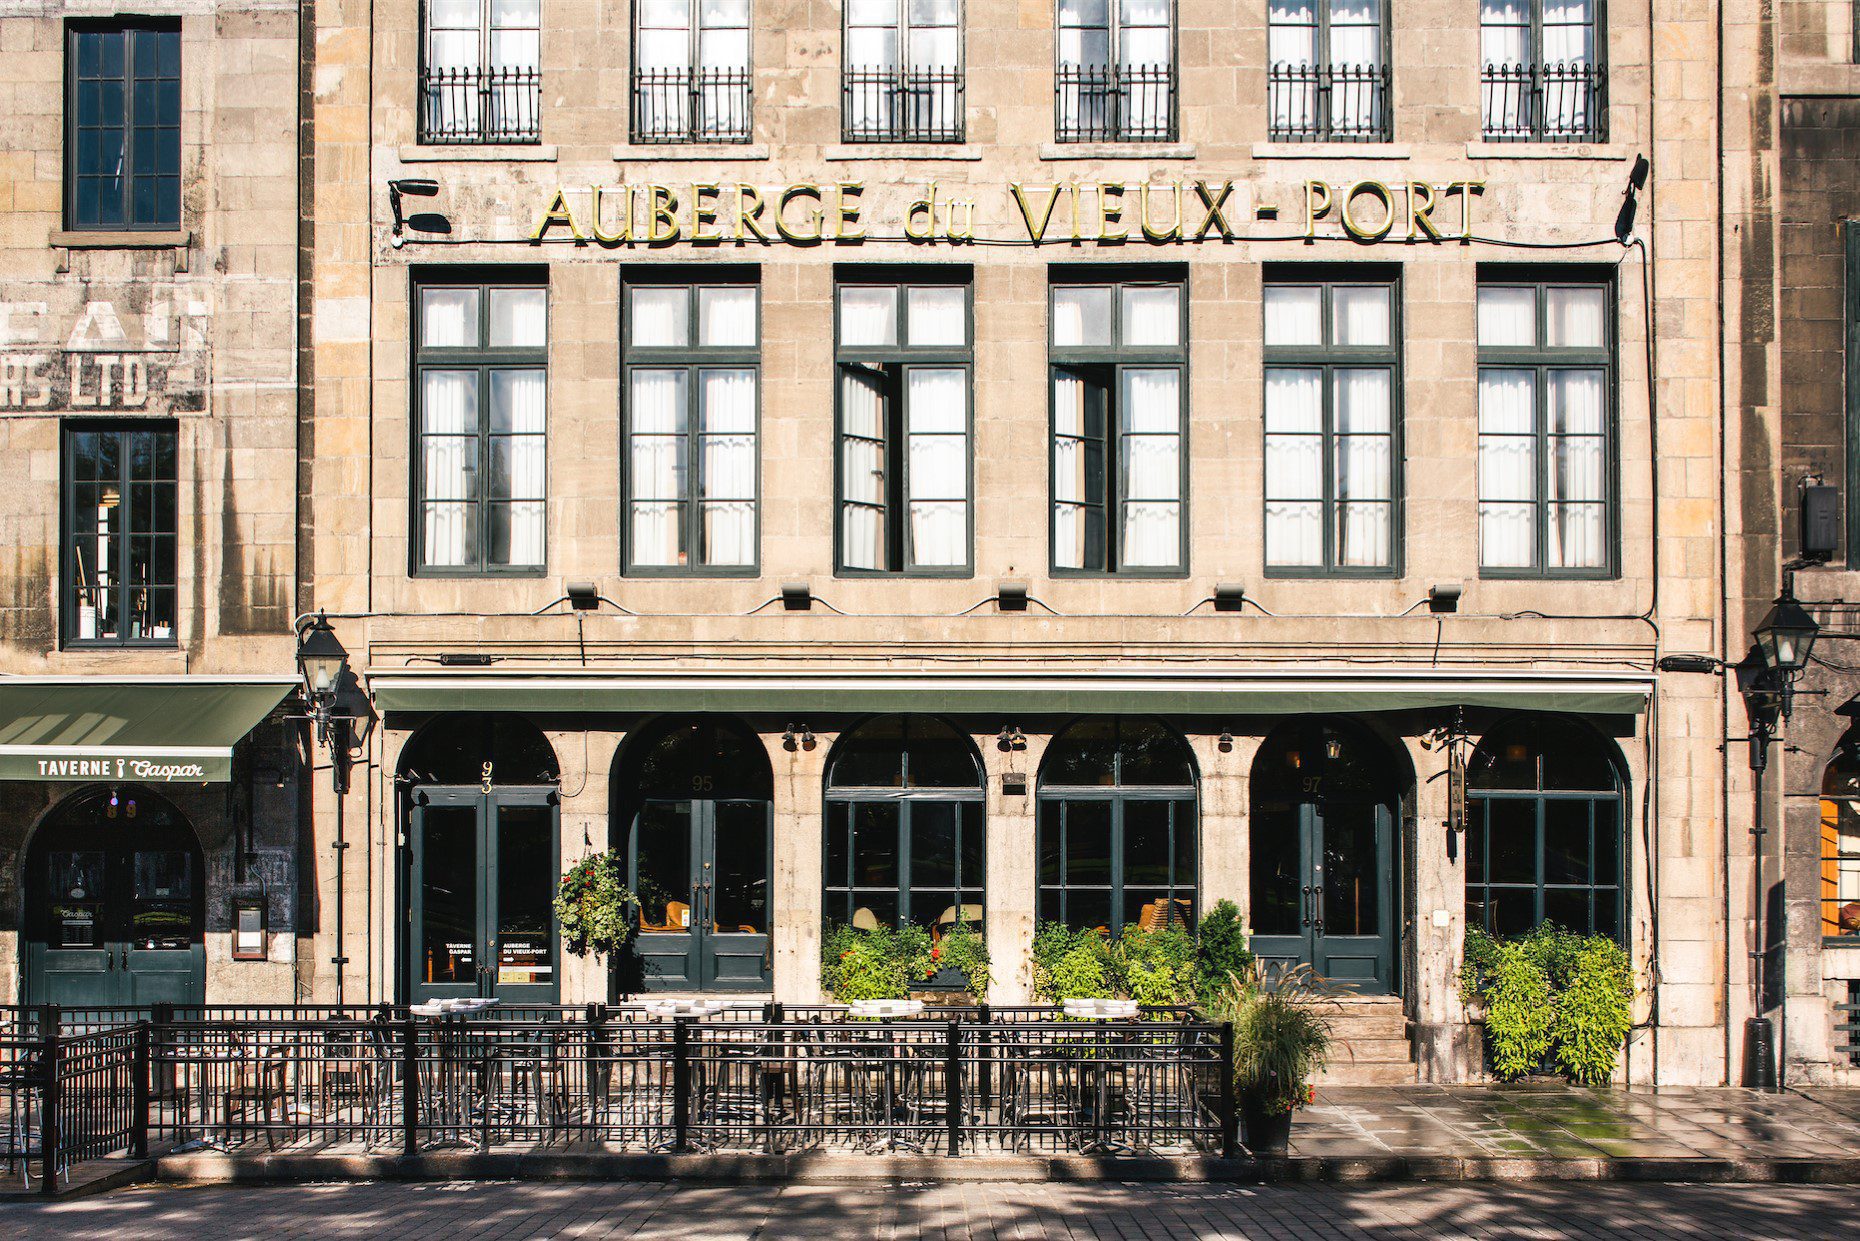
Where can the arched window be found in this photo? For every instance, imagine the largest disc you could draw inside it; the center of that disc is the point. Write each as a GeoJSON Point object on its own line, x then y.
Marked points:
{"type": "Point", "coordinates": [1840, 841]}
{"type": "Point", "coordinates": [904, 826]}
{"type": "Point", "coordinates": [1544, 842]}
{"type": "Point", "coordinates": [1117, 826]}
{"type": "Point", "coordinates": [479, 748]}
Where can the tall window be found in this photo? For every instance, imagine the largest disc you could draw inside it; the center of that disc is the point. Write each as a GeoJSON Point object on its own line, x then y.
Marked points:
{"type": "Point", "coordinates": [1119, 473]}
{"type": "Point", "coordinates": [1327, 78]}
{"type": "Point", "coordinates": [481, 71]}
{"type": "Point", "coordinates": [1116, 76]}
{"type": "Point", "coordinates": [1545, 830]}
{"type": "Point", "coordinates": [1331, 444]}
{"type": "Point", "coordinates": [1117, 827]}
{"type": "Point", "coordinates": [480, 389]}
{"type": "Point", "coordinates": [123, 124]}
{"type": "Point", "coordinates": [1546, 382]}
{"type": "Point", "coordinates": [902, 80]}
{"type": "Point", "coordinates": [691, 71]}
{"type": "Point", "coordinates": [904, 360]}
{"type": "Point", "coordinates": [119, 534]}
{"type": "Point", "coordinates": [904, 826]}
{"type": "Point", "coordinates": [690, 417]}
{"type": "Point", "coordinates": [1840, 845]}
{"type": "Point", "coordinates": [1543, 78]}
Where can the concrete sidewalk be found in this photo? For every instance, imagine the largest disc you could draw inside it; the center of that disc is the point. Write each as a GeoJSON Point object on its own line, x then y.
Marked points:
{"type": "Point", "coordinates": [1473, 1133]}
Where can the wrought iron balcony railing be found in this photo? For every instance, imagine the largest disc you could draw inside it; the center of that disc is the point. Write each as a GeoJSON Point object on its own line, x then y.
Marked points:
{"type": "Point", "coordinates": [886, 104]}
{"type": "Point", "coordinates": [1129, 103]}
{"type": "Point", "coordinates": [465, 106]}
{"type": "Point", "coordinates": [685, 105]}
{"type": "Point", "coordinates": [1327, 103]}
{"type": "Point", "coordinates": [1565, 102]}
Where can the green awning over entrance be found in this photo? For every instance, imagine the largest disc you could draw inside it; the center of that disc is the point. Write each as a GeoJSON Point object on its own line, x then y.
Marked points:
{"type": "Point", "coordinates": [154, 730]}
{"type": "Point", "coordinates": [1029, 692]}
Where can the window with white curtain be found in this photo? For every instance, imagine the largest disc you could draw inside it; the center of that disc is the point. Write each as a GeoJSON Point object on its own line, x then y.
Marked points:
{"type": "Point", "coordinates": [1542, 77]}
{"type": "Point", "coordinates": [903, 470]}
{"type": "Point", "coordinates": [1332, 430]}
{"type": "Point", "coordinates": [1119, 471]}
{"type": "Point", "coordinates": [691, 77]}
{"type": "Point", "coordinates": [480, 399]}
{"type": "Point", "coordinates": [690, 411]}
{"type": "Point", "coordinates": [1327, 77]}
{"type": "Point", "coordinates": [481, 71]}
{"type": "Point", "coordinates": [1115, 79]}
{"type": "Point", "coordinates": [1546, 394]}
{"type": "Point", "coordinates": [902, 71]}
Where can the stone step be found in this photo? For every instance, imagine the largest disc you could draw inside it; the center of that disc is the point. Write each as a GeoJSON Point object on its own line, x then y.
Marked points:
{"type": "Point", "coordinates": [1380, 1073]}
{"type": "Point", "coordinates": [1353, 1026]}
{"type": "Point", "coordinates": [1371, 1051]}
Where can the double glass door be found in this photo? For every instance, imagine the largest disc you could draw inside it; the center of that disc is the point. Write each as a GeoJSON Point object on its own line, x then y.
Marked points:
{"type": "Point", "coordinates": [701, 871]}
{"type": "Point", "coordinates": [1322, 890]}
{"type": "Point", "coordinates": [482, 889]}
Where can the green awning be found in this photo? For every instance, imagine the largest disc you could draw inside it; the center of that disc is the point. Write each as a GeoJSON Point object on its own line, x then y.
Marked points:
{"type": "Point", "coordinates": [1163, 691]}
{"type": "Point", "coordinates": [158, 730]}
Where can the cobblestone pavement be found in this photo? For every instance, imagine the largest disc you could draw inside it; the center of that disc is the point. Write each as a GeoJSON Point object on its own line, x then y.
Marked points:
{"type": "Point", "coordinates": [1045, 1212]}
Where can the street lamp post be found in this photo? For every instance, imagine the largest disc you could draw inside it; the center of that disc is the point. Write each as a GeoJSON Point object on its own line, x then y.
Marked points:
{"type": "Point", "coordinates": [322, 662]}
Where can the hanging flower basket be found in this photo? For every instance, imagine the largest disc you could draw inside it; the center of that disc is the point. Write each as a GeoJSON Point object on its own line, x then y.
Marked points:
{"type": "Point", "coordinates": [595, 907]}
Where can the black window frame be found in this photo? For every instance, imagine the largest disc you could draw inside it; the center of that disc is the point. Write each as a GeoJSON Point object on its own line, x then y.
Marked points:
{"type": "Point", "coordinates": [1535, 77]}
{"type": "Point", "coordinates": [1328, 358]}
{"type": "Point", "coordinates": [1326, 81]}
{"type": "Point", "coordinates": [69, 557]}
{"type": "Point", "coordinates": [694, 82]}
{"type": "Point", "coordinates": [694, 359]}
{"type": "Point", "coordinates": [896, 361]}
{"type": "Point", "coordinates": [1543, 359]}
{"type": "Point", "coordinates": [903, 81]}
{"type": "Point", "coordinates": [1113, 361]}
{"type": "Point", "coordinates": [484, 359]}
{"type": "Point", "coordinates": [132, 29]}
{"type": "Point", "coordinates": [484, 81]}
{"type": "Point", "coordinates": [1115, 85]}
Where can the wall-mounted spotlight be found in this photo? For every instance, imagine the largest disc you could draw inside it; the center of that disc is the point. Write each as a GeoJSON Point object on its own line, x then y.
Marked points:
{"type": "Point", "coordinates": [1010, 739]}
{"type": "Point", "coordinates": [1229, 597]}
{"type": "Point", "coordinates": [1011, 597]}
{"type": "Point", "coordinates": [796, 596]}
{"type": "Point", "coordinates": [583, 596]}
{"type": "Point", "coordinates": [409, 187]}
{"type": "Point", "coordinates": [798, 737]}
{"type": "Point", "coordinates": [1444, 597]}
{"type": "Point", "coordinates": [1630, 203]}
{"type": "Point", "coordinates": [1226, 743]}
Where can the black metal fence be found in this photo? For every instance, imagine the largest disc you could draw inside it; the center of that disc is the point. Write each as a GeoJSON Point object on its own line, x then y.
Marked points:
{"type": "Point", "coordinates": [1130, 103]}
{"type": "Point", "coordinates": [1327, 103]}
{"type": "Point", "coordinates": [901, 105]}
{"type": "Point", "coordinates": [473, 105]}
{"type": "Point", "coordinates": [757, 1079]}
{"type": "Point", "coordinates": [1545, 103]}
{"type": "Point", "coordinates": [682, 105]}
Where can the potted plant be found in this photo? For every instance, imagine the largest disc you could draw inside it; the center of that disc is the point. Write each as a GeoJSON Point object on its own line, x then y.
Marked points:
{"type": "Point", "coordinates": [958, 963]}
{"type": "Point", "coordinates": [1281, 1040]}
{"type": "Point", "coordinates": [594, 906]}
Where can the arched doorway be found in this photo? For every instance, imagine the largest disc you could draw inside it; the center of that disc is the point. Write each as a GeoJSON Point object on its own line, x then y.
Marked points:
{"type": "Point", "coordinates": [1545, 829]}
{"type": "Point", "coordinates": [1118, 826]}
{"type": "Point", "coordinates": [482, 860]}
{"type": "Point", "coordinates": [1325, 798]}
{"type": "Point", "coordinates": [691, 799]}
{"type": "Point", "coordinates": [904, 831]}
{"type": "Point", "coordinates": [115, 889]}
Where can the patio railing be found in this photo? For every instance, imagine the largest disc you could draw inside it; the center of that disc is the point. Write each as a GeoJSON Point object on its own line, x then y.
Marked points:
{"type": "Point", "coordinates": [757, 1079]}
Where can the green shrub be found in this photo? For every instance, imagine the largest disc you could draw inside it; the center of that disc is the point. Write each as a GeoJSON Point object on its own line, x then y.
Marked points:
{"type": "Point", "coordinates": [1071, 965]}
{"type": "Point", "coordinates": [1519, 1012]}
{"type": "Point", "coordinates": [1224, 952]}
{"type": "Point", "coordinates": [1551, 992]}
{"type": "Point", "coordinates": [964, 948]}
{"type": "Point", "coordinates": [888, 964]}
{"type": "Point", "coordinates": [1594, 1012]}
{"type": "Point", "coordinates": [1158, 966]}
{"type": "Point", "coordinates": [594, 907]}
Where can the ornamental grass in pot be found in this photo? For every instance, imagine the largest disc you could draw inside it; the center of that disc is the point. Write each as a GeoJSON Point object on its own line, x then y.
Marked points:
{"type": "Point", "coordinates": [1281, 1041]}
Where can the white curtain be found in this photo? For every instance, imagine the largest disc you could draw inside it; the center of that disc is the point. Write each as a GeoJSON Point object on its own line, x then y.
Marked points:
{"type": "Point", "coordinates": [1081, 315]}
{"type": "Point", "coordinates": [1363, 464]}
{"type": "Point", "coordinates": [662, 50]}
{"type": "Point", "coordinates": [661, 317]}
{"type": "Point", "coordinates": [937, 450]}
{"type": "Point", "coordinates": [727, 464]}
{"type": "Point", "coordinates": [1084, 50]}
{"type": "Point", "coordinates": [448, 466]}
{"type": "Point", "coordinates": [517, 434]}
{"type": "Point", "coordinates": [1568, 32]}
{"type": "Point", "coordinates": [1294, 466]}
{"type": "Point", "coordinates": [937, 316]}
{"type": "Point", "coordinates": [1152, 315]}
{"type": "Point", "coordinates": [1076, 479]}
{"type": "Point", "coordinates": [1291, 50]}
{"type": "Point", "coordinates": [1151, 437]}
{"type": "Point", "coordinates": [1294, 314]}
{"type": "Point", "coordinates": [1507, 316]}
{"type": "Point", "coordinates": [1507, 468]}
{"type": "Point", "coordinates": [1575, 318]}
{"type": "Point", "coordinates": [1504, 49]}
{"type": "Point", "coordinates": [871, 54]}
{"type": "Point", "coordinates": [862, 469]}
{"type": "Point", "coordinates": [448, 317]}
{"type": "Point", "coordinates": [519, 318]}
{"type": "Point", "coordinates": [453, 51]}
{"type": "Point", "coordinates": [727, 317]}
{"type": "Point", "coordinates": [656, 465]}
{"type": "Point", "coordinates": [723, 49]}
{"type": "Point", "coordinates": [1146, 36]}
{"type": "Point", "coordinates": [1361, 314]}
{"type": "Point", "coordinates": [1576, 486]}
{"type": "Point", "coordinates": [868, 315]}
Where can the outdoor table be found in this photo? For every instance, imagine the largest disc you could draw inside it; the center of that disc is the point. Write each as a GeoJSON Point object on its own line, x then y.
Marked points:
{"type": "Point", "coordinates": [460, 1065]}
{"type": "Point", "coordinates": [880, 1010]}
{"type": "Point", "coordinates": [1097, 1068]}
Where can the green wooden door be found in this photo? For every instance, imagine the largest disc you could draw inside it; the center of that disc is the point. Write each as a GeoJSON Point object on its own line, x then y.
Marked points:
{"type": "Point", "coordinates": [701, 869]}
{"type": "Point", "coordinates": [1321, 890]}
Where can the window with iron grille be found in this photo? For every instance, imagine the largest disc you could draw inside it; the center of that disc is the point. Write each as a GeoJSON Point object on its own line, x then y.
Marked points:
{"type": "Point", "coordinates": [480, 405]}
{"type": "Point", "coordinates": [1543, 77]}
{"type": "Point", "coordinates": [1546, 443]}
{"type": "Point", "coordinates": [1327, 76]}
{"type": "Point", "coordinates": [1115, 81]}
{"type": "Point", "coordinates": [691, 411]}
{"type": "Point", "coordinates": [1119, 470]}
{"type": "Point", "coordinates": [902, 75]}
{"type": "Point", "coordinates": [904, 459]}
{"type": "Point", "coordinates": [1332, 429]}
{"type": "Point", "coordinates": [691, 78]}
{"type": "Point", "coordinates": [119, 520]}
{"type": "Point", "coordinates": [123, 124]}
{"type": "Point", "coordinates": [481, 72]}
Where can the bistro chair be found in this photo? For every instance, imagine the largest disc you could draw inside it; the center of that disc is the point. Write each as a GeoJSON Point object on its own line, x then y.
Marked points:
{"type": "Point", "coordinates": [261, 1086]}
